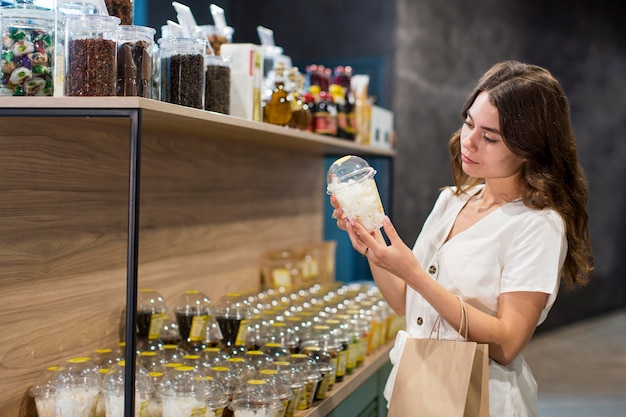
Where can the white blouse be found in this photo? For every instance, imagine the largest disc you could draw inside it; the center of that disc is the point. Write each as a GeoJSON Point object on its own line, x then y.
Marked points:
{"type": "Point", "coordinates": [513, 248]}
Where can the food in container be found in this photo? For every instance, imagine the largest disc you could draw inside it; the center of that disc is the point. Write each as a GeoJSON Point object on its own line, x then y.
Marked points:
{"type": "Point", "coordinates": [351, 180]}
{"type": "Point", "coordinates": [77, 388]}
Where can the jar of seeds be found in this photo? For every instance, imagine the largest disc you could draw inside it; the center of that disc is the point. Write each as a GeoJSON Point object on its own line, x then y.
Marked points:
{"type": "Point", "coordinates": [27, 49]}
{"type": "Point", "coordinates": [217, 89]}
{"type": "Point", "coordinates": [134, 60]}
{"type": "Point", "coordinates": [182, 71]}
{"type": "Point", "coordinates": [91, 55]}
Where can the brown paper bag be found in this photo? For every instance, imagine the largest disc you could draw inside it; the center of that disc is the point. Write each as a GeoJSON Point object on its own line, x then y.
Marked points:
{"type": "Point", "coordinates": [441, 378]}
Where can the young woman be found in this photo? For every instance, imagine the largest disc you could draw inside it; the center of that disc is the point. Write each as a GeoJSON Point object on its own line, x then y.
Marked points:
{"type": "Point", "coordinates": [503, 239]}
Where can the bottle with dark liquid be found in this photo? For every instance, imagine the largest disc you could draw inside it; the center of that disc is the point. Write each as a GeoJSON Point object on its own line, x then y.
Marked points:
{"type": "Point", "coordinates": [151, 313]}
{"type": "Point", "coordinates": [193, 312]}
{"type": "Point", "coordinates": [232, 314]}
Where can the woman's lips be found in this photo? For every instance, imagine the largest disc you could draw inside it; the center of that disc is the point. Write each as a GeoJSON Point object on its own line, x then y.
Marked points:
{"type": "Point", "coordinates": [466, 159]}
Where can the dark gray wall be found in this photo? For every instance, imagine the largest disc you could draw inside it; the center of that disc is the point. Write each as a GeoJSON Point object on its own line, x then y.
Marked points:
{"type": "Point", "coordinates": [431, 54]}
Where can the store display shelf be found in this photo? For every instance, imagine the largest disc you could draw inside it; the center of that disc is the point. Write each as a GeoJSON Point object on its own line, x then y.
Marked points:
{"type": "Point", "coordinates": [166, 117]}
{"type": "Point", "coordinates": [344, 389]}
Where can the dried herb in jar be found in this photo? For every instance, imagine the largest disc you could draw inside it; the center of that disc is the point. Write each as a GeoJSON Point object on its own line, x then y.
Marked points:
{"type": "Point", "coordinates": [182, 77]}
{"type": "Point", "coordinates": [91, 67]}
{"type": "Point", "coordinates": [217, 95]}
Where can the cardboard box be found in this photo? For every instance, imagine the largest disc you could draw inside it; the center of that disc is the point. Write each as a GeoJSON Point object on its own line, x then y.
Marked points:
{"type": "Point", "coordinates": [246, 79]}
{"type": "Point", "coordinates": [381, 128]}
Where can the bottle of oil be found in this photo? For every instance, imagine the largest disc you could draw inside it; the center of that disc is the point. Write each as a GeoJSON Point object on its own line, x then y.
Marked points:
{"type": "Point", "coordinates": [300, 113]}
{"type": "Point", "coordinates": [277, 108]}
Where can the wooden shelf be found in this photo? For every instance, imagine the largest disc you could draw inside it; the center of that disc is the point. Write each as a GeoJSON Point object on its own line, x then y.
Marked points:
{"type": "Point", "coordinates": [166, 117]}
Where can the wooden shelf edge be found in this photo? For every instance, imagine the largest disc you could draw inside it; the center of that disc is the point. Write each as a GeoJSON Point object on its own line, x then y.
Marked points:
{"type": "Point", "coordinates": [222, 126]}
{"type": "Point", "coordinates": [342, 390]}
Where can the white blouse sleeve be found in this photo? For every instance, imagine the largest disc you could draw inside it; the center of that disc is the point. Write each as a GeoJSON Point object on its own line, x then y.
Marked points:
{"type": "Point", "coordinates": [536, 255]}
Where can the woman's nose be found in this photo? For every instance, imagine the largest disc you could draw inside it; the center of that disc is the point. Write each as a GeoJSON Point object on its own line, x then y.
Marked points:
{"type": "Point", "coordinates": [468, 140]}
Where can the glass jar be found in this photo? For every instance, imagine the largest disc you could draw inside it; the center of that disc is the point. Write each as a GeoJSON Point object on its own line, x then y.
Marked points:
{"type": "Point", "coordinates": [90, 55]}
{"type": "Point", "coordinates": [217, 36]}
{"type": "Point", "coordinates": [351, 180]}
{"type": "Point", "coordinates": [151, 312]}
{"type": "Point", "coordinates": [182, 71]}
{"type": "Point", "coordinates": [113, 388]}
{"type": "Point", "coordinates": [27, 50]}
{"type": "Point", "coordinates": [134, 60]}
{"type": "Point", "coordinates": [193, 311]}
{"type": "Point", "coordinates": [43, 392]}
{"type": "Point", "coordinates": [77, 388]}
{"type": "Point", "coordinates": [217, 87]}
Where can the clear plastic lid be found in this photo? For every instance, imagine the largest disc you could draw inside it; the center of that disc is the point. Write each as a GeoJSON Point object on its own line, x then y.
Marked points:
{"type": "Point", "coordinates": [79, 373]}
{"type": "Point", "coordinates": [46, 385]}
{"type": "Point", "coordinates": [216, 394]}
{"type": "Point", "coordinates": [346, 170]}
{"type": "Point", "coordinates": [113, 381]}
{"type": "Point", "coordinates": [256, 395]}
{"type": "Point", "coordinates": [233, 305]}
{"type": "Point", "coordinates": [183, 381]}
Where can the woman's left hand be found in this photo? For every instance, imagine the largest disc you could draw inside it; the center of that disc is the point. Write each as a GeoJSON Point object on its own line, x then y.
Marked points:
{"type": "Point", "coordinates": [396, 257]}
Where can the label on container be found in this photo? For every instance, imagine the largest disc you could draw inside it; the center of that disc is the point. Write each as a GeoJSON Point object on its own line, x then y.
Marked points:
{"type": "Point", "coordinates": [242, 333]}
{"type": "Point", "coordinates": [198, 328]}
{"type": "Point", "coordinates": [156, 322]}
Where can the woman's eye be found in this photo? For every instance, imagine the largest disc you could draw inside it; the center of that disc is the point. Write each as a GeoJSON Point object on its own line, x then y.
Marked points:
{"type": "Point", "coordinates": [489, 140]}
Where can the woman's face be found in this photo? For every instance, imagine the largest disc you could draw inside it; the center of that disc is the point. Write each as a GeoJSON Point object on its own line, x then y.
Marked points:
{"type": "Point", "coordinates": [483, 151]}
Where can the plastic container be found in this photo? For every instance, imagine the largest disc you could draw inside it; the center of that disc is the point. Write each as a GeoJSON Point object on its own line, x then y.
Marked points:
{"type": "Point", "coordinates": [312, 379]}
{"type": "Point", "coordinates": [295, 380]}
{"type": "Point", "coordinates": [182, 71]}
{"type": "Point", "coordinates": [43, 392]}
{"type": "Point", "coordinates": [90, 55]}
{"type": "Point", "coordinates": [151, 312]}
{"type": "Point", "coordinates": [232, 314]}
{"type": "Point", "coordinates": [77, 388]}
{"type": "Point", "coordinates": [183, 392]}
{"type": "Point", "coordinates": [216, 399]}
{"type": "Point", "coordinates": [113, 388]}
{"type": "Point", "coordinates": [135, 46]}
{"type": "Point", "coordinates": [27, 50]}
{"type": "Point", "coordinates": [351, 180]}
{"type": "Point", "coordinates": [255, 398]}
{"type": "Point", "coordinates": [193, 311]}
{"type": "Point", "coordinates": [217, 87]}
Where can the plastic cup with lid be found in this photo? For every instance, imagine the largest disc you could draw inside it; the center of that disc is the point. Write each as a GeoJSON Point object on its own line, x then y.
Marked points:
{"type": "Point", "coordinates": [183, 391]}
{"type": "Point", "coordinates": [113, 388]}
{"type": "Point", "coordinates": [216, 399]}
{"type": "Point", "coordinates": [43, 392]}
{"type": "Point", "coordinates": [255, 398]}
{"type": "Point", "coordinates": [77, 388]}
{"type": "Point", "coordinates": [351, 180]}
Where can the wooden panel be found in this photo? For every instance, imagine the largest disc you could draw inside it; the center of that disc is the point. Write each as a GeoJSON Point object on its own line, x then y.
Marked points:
{"type": "Point", "coordinates": [208, 209]}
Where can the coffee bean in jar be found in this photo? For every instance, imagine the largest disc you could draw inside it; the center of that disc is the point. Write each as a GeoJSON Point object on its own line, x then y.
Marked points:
{"type": "Point", "coordinates": [91, 55]}
{"type": "Point", "coordinates": [182, 71]}
{"type": "Point", "coordinates": [217, 88]}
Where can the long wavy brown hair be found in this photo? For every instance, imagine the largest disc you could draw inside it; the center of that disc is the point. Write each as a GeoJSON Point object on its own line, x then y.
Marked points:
{"type": "Point", "coordinates": [535, 125]}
